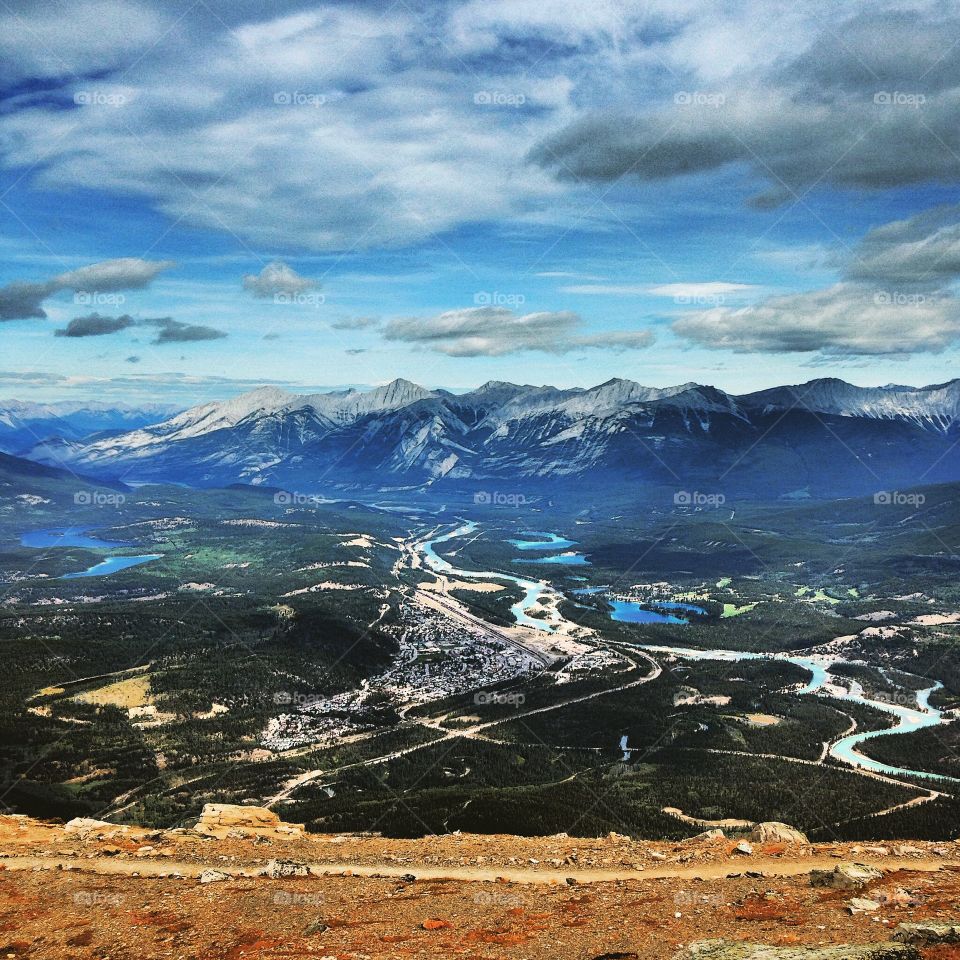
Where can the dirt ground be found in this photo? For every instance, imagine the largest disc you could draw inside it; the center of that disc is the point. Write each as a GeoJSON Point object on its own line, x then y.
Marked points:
{"type": "Point", "coordinates": [136, 895]}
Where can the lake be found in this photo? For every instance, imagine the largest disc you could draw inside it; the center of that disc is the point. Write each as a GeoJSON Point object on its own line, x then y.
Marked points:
{"type": "Point", "coordinates": [112, 565]}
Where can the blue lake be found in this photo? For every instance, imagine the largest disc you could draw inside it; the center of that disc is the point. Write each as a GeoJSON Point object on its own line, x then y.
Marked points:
{"type": "Point", "coordinates": [112, 565]}
{"type": "Point", "coordinates": [569, 559]}
{"type": "Point", "coordinates": [70, 537]}
{"type": "Point", "coordinates": [553, 541]}
{"type": "Point", "coordinates": [627, 611]}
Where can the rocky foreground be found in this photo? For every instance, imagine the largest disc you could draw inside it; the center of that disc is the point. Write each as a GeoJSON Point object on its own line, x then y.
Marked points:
{"type": "Point", "coordinates": [242, 884]}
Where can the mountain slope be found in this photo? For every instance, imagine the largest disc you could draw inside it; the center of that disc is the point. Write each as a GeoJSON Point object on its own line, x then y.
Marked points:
{"type": "Point", "coordinates": [826, 437]}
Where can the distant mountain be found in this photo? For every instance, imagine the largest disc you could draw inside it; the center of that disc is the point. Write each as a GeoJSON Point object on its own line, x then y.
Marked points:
{"type": "Point", "coordinates": [936, 407]}
{"type": "Point", "coordinates": [24, 425]}
{"type": "Point", "coordinates": [826, 437]}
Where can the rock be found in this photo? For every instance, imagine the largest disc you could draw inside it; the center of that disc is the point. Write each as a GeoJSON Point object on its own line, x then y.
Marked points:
{"type": "Point", "coordinates": [223, 820]}
{"type": "Point", "coordinates": [714, 834]}
{"type": "Point", "coordinates": [657, 855]}
{"type": "Point", "coordinates": [318, 926]}
{"type": "Point", "coordinates": [213, 876]}
{"type": "Point", "coordinates": [735, 950]}
{"type": "Point", "coordinates": [276, 869]}
{"type": "Point", "coordinates": [86, 828]}
{"type": "Point", "coordinates": [928, 933]}
{"type": "Point", "coordinates": [772, 831]}
{"type": "Point", "coordinates": [905, 850]}
{"type": "Point", "coordinates": [436, 924]}
{"type": "Point", "coordinates": [408, 878]}
{"type": "Point", "coordinates": [744, 848]}
{"type": "Point", "coordinates": [862, 905]}
{"type": "Point", "coordinates": [845, 876]}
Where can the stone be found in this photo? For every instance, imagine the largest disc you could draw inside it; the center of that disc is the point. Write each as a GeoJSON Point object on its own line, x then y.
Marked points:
{"type": "Point", "coordinates": [772, 831]}
{"type": "Point", "coordinates": [928, 933]}
{"type": "Point", "coordinates": [222, 820]}
{"type": "Point", "coordinates": [743, 848]}
{"type": "Point", "coordinates": [276, 869]}
{"type": "Point", "coordinates": [736, 950]}
{"type": "Point", "coordinates": [213, 876]}
{"type": "Point", "coordinates": [862, 905]}
{"type": "Point", "coordinates": [714, 834]}
{"type": "Point", "coordinates": [86, 828]}
{"type": "Point", "coordinates": [845, 876]}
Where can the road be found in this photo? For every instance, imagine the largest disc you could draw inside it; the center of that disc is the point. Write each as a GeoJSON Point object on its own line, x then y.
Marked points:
{"type": "Point", "coordinates": [767, 866]}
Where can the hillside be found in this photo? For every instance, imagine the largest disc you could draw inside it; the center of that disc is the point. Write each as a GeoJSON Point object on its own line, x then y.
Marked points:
{"type": "Point", "coordinates": [91, 889]}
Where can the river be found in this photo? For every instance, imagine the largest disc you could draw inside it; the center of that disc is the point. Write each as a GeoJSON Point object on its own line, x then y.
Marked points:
{"type": "Point", "coordinates": [531, 588]}
{"type": "Point", "coordinates": [844, 750]}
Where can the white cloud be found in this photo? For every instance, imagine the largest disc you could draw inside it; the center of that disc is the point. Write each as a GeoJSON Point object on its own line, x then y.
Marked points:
{"type": "Point", "coordinates": [845, 319]}
{"type": "Point", "coordinates": [497, 331]}
{"type": "Point", "coordinates": [693, 291]}
{"type": "Point", "coordinates": [277, 279]}
{"type": "Point", "coordinates": [23, 300]}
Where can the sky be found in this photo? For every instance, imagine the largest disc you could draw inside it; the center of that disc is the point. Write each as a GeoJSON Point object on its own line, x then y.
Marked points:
{"type": "Point", "coordinates": [197, 198]}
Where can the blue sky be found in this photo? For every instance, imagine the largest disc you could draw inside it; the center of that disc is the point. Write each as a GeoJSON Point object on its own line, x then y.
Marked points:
{"type": "Point", "coordinates": [318, 195]}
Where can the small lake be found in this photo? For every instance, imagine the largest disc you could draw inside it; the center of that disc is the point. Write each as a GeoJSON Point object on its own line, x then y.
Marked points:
{"type": "Point", "coordinates": [77, 537]}
{"type": "Point", "coordinates": [70, 537]}
{"type": "Point", "coordinates": [568, 559]}
{"type": "Point", "coordinates": [550, 541]}
{"type": "Point", "coordinates": [629, 611]}
{"type": "Point", "coordinates": [112, 565]}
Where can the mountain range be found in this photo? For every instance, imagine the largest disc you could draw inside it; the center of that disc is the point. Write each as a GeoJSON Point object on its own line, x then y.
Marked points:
{"type": "Point", "coordinates": [24, 424]}
{"type": "Point", "coordinates": [822, 438]}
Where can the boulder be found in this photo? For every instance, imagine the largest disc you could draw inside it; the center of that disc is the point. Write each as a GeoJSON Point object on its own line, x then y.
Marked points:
{"type": "Point", "coordinates": [771, 831]}
{"type": "Point", "coordinates": [213, 876]}
{"type": "Point", "coordinates": [86, 828]}
{"type": "Point", "coordinates": [222, 820]}
{"type": "Point", "coordinates": [845, 876]}
{"type": "Point", "coordinates": [713, 834]}
{"type": "Point", "coordinates": [744, 848]}
{"type": "Point", "coordinates": [862, 905]}
{"type": "Point", "coordinates": [928, 933]}
{"type": "Point", "coordinates": [737, 950]}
